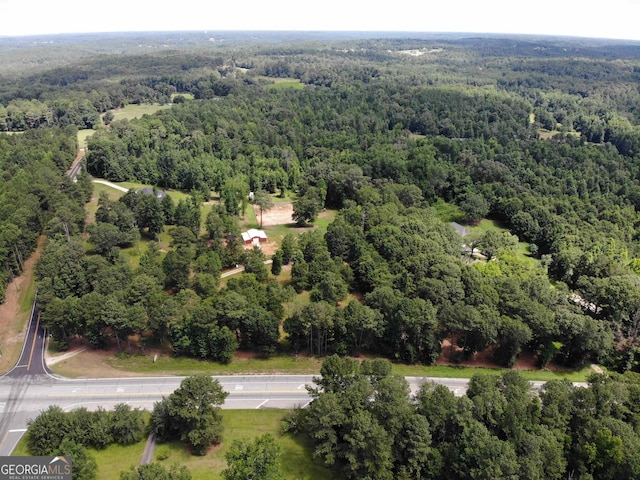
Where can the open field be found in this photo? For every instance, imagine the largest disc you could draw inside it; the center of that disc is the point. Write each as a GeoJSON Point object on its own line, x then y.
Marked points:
{"type": "Point", "coordinates": [83, 135]}
{"type": "Point", "coordinates": [485, 225]}
{"type": "Point", "coordinates": [296, 457]}
{"type": "Point", "coordinates": [280, 83]}
{"type": "Point", "coordinates": [129, 112]}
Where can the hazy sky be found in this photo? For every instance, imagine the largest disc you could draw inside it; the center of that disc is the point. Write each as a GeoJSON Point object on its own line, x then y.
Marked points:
{"type": "Point", "coordinates": [586, 18]}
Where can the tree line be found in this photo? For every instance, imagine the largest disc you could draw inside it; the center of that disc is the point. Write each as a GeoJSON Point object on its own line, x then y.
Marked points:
{"type": "Point", "coordinates": [363, 423]}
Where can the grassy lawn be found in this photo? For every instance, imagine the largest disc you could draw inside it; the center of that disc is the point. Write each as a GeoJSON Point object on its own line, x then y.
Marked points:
{"type": "Point", "coordinates": [447, 371]}
{"type": "Point", "coordinates": [167, 365]}
{"type": "Point", "coordinates": [117, 458]}
{"type": "Point", "coordinates": [280, 83]}
{"type": "Point", "coordinates": [83, 135]}
{"type": "Point", "coordinates": [324, 219]}
{"type": "Point", "coordinates": [448, 212]}
{"type": "Point", "coordinates": [485, 225]}
{"type": "Point", "coordinates": [296, 459]}
{"type": "Point", "coordinates": [282, 363]}
{"type": "Point", "coordinates": [129, 112]}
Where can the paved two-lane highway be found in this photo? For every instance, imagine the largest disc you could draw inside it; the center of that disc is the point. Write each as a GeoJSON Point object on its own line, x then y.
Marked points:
{"type": "Point", "coordinates": [30, 388]}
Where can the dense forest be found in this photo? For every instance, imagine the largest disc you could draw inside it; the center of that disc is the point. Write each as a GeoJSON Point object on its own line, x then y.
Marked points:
{"type": "Point", "coordinates": [537, 134]}
{"type": "Point", "coordinates": [363, 423]}
{"type": "Point", "coordinates": [398, 137]}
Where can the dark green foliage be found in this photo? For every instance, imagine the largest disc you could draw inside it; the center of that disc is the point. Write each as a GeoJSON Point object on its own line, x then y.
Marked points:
{"type": "Point", "coordinates": [363, 424]}
{"type": "Point", "coordinates": [191, 414]}
{"type": "Point", "coordinates": [156, 471]}
{"type": "Point", "coordinates": [127, 424]}
{"type": "Point", "coordinates": [254, 263]}
{"type": "Point", "coordinates": [307, 207]}
{"type": "Point", "coordinates": [84, 466]}
{"type": "Point", "coordinates": [276, 263]}
{"type": "Point", "coordinates": [92, 429]}
{"type": "Point", "coordinates": [47, 431]}
{"type": "Point", "coordinates": [256, 459]}
{"type": "Point", "coordinates": [55, 432]}
{"type": "Point", "coordinates": [190, 337]}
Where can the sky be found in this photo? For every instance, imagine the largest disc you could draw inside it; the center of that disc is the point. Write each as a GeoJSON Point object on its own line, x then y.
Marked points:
{"type": "Point", "coordinates": [617, 19]}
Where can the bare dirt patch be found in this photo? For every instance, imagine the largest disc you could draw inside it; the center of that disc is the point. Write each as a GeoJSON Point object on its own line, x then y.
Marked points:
{"type": "Point", "coordinates": [526, 360]}
{"type": "Point", "coordinates": [280, 214]}
{"type": "Point", "coordinates": [12, 320]}
{"type": "Point", "coordinates": [81, 361]}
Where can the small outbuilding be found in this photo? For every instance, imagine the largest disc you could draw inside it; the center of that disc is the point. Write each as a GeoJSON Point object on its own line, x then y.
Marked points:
{"type": "Point", "coordinates": [254, 236]}
{"type": "Point", "coordinates": [152, 191]}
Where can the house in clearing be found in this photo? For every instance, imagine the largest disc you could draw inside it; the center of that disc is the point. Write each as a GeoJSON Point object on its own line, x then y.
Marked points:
{"type": "Point", "coordinates": [254, 236]}
{"type": "Point", "coordinates": [152, 191]}
{"type": "Point", "coordinates": [460, 230]}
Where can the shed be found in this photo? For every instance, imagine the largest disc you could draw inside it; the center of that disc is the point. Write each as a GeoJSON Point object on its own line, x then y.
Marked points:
{"type": "Point", "coordinates": [152, 191]}
{"type": "Point", "coordinates": [254, 236]}
{"type": "Point", "coordinates": [460, 230]}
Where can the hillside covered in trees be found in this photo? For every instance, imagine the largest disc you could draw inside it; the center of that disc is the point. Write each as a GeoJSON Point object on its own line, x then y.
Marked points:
{"type": "Point", "coordinates": [397, 136]}
{"type": "Point", "coordinates": [538, 134]}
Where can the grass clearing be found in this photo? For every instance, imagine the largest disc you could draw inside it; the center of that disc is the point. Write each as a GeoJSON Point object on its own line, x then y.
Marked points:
{"type": "Point", "coordinates": [324, 219]}
{"type": "Point", "coordinates": [451, 371]}
{"type": "Point", "coordinates": [83, 135]}
{"type": "Point", "coordinates": [282, 363]}
{"type": "Point", "coordinates": [282, 83]}
{"type": "Point", "coordinates": [182, 366]}
{"type": "Point", "coordinates": [486, 225]}
{"type": "Point", "coordinates": [296, 459]}
{"type": "Point", "coordinates": [117, 458]}
{"type": "Point", "coordinates": [448, 212]}
{"type": "Point", "coordinates": [130, 112]}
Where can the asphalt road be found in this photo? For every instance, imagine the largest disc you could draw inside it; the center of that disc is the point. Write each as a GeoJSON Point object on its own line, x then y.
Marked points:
{"type": "Point", "coordinates": [30, 387]}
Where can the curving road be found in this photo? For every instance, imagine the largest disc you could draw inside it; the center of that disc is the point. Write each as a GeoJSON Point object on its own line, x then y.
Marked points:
{"type": "Point", "coordinates": [31, 387]}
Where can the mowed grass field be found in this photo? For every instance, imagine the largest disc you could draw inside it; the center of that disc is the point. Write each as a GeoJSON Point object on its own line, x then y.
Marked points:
{"type": "Point", "coordinates": [281, 83]}
{"type": "Point", "coordinates": [296, 457]}
{"type": "Point", "coordinates": [128, 112]}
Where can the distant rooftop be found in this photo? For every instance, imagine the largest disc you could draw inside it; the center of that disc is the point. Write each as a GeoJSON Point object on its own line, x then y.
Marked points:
{"type": "Point", "coordinates": [462, 231]}
{"type": "Point", "coordinates": [152, 191]}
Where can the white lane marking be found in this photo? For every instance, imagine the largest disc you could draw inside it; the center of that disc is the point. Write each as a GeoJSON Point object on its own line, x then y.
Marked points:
{"type": "Point", "coordinates": [262, 404]}
{"type": "Point", "coordinates": [120, 389]}
{"type": "Point", "coordinates": [300, 387]}
{"type": "Point", "coordinates": [2, 405]}
{"type": "Point", "coordinates": [18, 430]}
{"type": "Point", "coordinates": [239, 387]}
